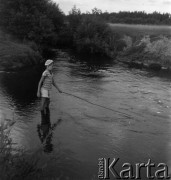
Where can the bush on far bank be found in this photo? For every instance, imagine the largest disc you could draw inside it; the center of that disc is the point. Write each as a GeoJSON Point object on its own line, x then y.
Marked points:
{"type": "Point", "coordinates": [148, 50]}
{"type": "Point", "coordinates": [92, 35]}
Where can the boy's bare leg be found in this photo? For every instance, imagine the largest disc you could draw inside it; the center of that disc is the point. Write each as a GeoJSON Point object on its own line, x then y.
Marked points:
{"type": "Point", "coordinates": [43, 103]}
{"type": "Point", "coordinates": [47, 105]}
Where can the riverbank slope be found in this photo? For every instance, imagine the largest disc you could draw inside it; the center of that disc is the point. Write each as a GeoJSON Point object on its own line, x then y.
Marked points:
{"type": "Point", "coordinates": [15, 55]}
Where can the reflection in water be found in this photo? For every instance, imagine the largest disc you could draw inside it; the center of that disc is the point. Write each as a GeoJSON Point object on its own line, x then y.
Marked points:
{"type": "Point", "coordinates": [18, 90]}
{"type": "Point", "coordinates": [90, 132]}
{"type": "Point", "coordinates": [45, 130]}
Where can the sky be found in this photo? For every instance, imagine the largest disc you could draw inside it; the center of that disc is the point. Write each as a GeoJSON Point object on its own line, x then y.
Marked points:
{"type": "Point", "coordinates": [149, 6]}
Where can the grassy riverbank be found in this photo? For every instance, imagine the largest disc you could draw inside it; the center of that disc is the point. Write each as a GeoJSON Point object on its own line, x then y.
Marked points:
{"type": "Point", "coordinates": [15, 55]}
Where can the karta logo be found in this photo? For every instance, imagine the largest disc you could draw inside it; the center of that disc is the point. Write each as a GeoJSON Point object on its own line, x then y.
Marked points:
{"type": "Point", "coordinates": [107, 170]}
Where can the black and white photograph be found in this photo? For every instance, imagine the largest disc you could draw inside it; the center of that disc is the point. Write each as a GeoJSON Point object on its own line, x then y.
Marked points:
{"type": "Point", "coordinates": [85, 89]}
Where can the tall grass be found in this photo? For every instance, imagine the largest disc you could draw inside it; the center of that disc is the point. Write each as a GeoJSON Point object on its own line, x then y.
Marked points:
{"type": "Point", "coordinates": [14, 163]}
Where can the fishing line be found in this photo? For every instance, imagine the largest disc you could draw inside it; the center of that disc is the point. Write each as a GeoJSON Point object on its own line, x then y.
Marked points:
{"type": "Point", "coordinates": [126, 115]}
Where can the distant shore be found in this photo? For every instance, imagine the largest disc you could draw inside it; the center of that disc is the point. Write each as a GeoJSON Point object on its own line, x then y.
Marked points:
{"type": "Point", "coordinates": [147, 46]}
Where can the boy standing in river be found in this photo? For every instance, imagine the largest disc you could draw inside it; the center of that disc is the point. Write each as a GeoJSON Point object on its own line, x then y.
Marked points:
{"type": "Point", "coordinates": [45, 86]}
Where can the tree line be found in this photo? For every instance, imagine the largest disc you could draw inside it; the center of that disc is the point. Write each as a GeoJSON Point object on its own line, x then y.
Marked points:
{"type": "Point", "coordinates": [136, 17]}
{"type": "Point", "coordinates": [43, 23]}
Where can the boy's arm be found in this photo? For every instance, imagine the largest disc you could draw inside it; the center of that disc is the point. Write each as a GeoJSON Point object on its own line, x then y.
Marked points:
{"type": "Point", "coordinates": [53, 82]}
{"type": "Point", "coordinates": [39, 85]}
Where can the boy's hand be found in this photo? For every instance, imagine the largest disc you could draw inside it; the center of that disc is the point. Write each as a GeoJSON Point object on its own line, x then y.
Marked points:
{"type": "Point", "coordinates": [38, 94]}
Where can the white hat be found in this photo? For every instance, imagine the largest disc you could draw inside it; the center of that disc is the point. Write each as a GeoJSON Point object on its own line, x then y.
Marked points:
{"type": "Point", "coordinates": [48, 62]}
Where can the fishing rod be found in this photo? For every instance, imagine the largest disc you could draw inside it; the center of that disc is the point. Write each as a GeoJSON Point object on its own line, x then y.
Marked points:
{"type": "Point", "coordinates": [126, 115]}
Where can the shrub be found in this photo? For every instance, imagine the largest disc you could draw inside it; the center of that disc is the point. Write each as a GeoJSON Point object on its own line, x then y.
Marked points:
{"type": "Point", "coordinates": [95, 37]}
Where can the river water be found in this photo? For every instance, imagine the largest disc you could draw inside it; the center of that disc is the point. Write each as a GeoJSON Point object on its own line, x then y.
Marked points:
{"type": "Point", "coordinates": [79, 133]}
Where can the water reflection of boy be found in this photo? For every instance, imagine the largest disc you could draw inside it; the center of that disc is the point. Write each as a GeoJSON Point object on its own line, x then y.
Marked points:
{"type": "Point", "coordinates": [45, 130]}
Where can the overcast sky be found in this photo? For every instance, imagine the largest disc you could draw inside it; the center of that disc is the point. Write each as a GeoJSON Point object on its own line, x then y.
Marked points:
{"type": "Point", "coordinates": [116, 5]}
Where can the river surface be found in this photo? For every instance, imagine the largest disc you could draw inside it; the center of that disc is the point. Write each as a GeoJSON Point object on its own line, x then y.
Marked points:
{"type": "Point", "coordinates": [79, 133]}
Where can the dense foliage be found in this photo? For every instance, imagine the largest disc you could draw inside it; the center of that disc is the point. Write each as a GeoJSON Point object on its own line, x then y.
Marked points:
{"type": "Point", "coordinates": [96, 37]}
{"type": "Point", "coordinates": [92, 35]}
{"type": "Point", "coordinates": [38, 20]}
